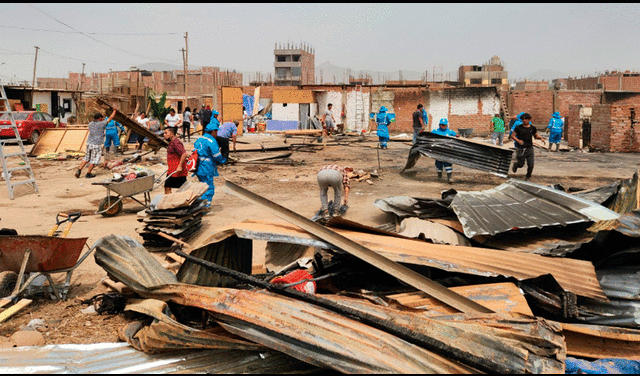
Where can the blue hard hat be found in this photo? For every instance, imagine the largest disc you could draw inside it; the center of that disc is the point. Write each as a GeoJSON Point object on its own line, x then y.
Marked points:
{"type": "Point", "coordinates": [211, 127]}
{"type": "Point", "coordinates": [444, 121]}
{"type": "Point", "coordinates": [383, 109]}
{"type": "Point", "coordinates": [214, 112]}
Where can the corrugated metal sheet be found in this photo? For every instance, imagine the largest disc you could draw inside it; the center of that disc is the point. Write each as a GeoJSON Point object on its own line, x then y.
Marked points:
{"type": "Point", "coordinates": [518, 204]}
{"type": "Point", "coordinates": [600, 341]}
{"type": "Point", "coordinates": [489, 336]}
{"type": "Point", "coordinates": [405, 206]}
{"type": "Point", "coordinates": [303, 330]}
{"type": "Point", "coordinates": [166, 334]}
{"type": "Point", "coordinates": [549, 241]}
{"type": "Point", "coordinates": [626, 200]}
{"type": "Point", "coordinates": [120, 358]}
{"type": "Point", "coordinates": [573, 275]}
{"type": "Point", "coordinates": [467, 153]}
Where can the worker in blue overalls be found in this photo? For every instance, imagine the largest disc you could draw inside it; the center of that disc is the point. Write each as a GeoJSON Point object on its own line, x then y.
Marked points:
{"type": "Point", "coordinates": [111, 134]}
{"type": "Point", "coordinates": [443, 129]}
{"type": "Point", "coordinates": [383, 121]}
{"type": "Point", "coordinates": [556, 126]}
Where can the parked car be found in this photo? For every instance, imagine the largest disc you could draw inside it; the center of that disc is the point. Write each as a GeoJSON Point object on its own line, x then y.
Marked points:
{"type": "Point", "coordinates": [30, 124]}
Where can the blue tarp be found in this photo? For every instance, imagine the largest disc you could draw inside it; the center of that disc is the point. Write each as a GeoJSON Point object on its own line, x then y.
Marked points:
{"type": "Point", "coordinates": [247, 102]}
{"type": "Point", "coordinates": [602, 366]}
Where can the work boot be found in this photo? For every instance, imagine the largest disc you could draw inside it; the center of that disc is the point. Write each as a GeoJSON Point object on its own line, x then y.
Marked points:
{"type": "Point", "coordinates": [527, 178]}
{"type": "Point", "coordinates": [89, 175]}
{"type": "Point", "coordinates": [439, 174]}
{"type": "Point", "coordinates": [449, 178]}
{"type": "Point", "coordinates": [325, 214]}
{"type": "Point", "coordinates": [514, 168]}
{"type": "Point", "coordinates": [77, 174]}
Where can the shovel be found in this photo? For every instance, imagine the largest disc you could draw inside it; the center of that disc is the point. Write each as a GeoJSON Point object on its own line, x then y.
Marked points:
{"type": "Point", "coordinates": [69, 218]}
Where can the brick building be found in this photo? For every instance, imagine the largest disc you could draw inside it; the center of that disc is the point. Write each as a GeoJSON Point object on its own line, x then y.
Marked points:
{"type": "Point", "coordinates": [294, 65]}
{"type": "Point", "coordinates": [492, 73]}
{"type": "Point", "coordinates": [531, 85]}
{"type": "Point", "coordinates": [622, 81]}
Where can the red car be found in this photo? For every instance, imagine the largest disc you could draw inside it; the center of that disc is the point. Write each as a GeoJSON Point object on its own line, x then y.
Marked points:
{"type": "Point", "coordinates": [30, 124]}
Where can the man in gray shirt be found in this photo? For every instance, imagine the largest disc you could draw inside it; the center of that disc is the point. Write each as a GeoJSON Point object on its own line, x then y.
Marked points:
{"type": "Point", "coordinates": [94, 143]}
{"type": "Point", "coordinates": [328, 120]}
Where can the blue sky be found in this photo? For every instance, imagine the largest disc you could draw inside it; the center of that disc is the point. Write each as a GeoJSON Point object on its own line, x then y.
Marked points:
{"type": "Point", "coordinates": [575, 39]}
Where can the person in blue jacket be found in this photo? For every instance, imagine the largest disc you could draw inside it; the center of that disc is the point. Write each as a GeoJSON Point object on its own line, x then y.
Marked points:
{"type": "Point", "coordinates": [208, 157]}
{"type": "Point", "coordinates": [556, 126]}
{"type": "Point", "coordinates": [111, 134]}
{"type": "Point", "coordinates": [443, 129]}
{"type": "Point", "coordinates": [383, 127]}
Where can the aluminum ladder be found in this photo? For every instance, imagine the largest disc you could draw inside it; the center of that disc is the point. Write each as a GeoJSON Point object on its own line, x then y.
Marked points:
{"type": "Point", "coordinates": [17, 161]}
{"type": "Point", "coordinates": [359, 118]}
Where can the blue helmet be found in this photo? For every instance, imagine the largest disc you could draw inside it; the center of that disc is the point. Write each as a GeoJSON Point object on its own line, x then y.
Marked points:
{"type": "Point", "coordinates": [520, 115]}
{"type": "Point", "coordinates": [444, 121]}
{"type": "Point", "coordinates": [214, 112]}
{"type": "Point", "coordinates": [383, 109]}
{"type": "Point", "coordinates": [211, 127]}
{"type": "Point", "coordinates": [556, 115]}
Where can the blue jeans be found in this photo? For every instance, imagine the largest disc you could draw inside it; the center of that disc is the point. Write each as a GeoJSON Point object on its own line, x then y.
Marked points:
{"type": "Point", "coordinates": [383, 141]}
{"type": "Point", "coordinates": [440, 165]}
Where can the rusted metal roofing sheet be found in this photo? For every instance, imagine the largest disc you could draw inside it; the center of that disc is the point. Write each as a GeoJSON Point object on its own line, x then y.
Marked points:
{"type": "Point", "coordinates": [121, 358]}
{"type": "Point", "coordinates": [405, 206]}
{"type": "Point", "coordinates": [573, 275]}
{"type": "Point", "coordinates": [600, 341]}
{"type": "Point", "coordinates": [476, 155]}
{"type": "Point", "coordinates": [488, 336]}
{"type": "Point", "coordinates": [518, 204]}
{"type": "Point", "coordinates": [503, 297]}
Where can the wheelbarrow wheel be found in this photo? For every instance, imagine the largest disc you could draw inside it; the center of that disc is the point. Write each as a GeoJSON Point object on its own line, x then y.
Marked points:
{"type": "Point", "coordinates": [8, 282]}
{"type": "Point", "coordinates": [104, 204]}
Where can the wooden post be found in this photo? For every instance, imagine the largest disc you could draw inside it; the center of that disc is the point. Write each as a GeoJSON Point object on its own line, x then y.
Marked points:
{"type": "Point", "coordinates": [186, 67]}
{"type": "Point", "coordinates": [35, 62]}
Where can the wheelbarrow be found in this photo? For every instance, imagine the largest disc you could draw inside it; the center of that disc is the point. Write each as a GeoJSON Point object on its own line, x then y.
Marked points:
{"type": "Point", "coordinates": [24, 258]}
{"type": "Point", "coordinates": [111, 206]}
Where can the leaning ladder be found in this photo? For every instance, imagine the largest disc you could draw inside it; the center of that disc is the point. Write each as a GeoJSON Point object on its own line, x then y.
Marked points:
{"type": "Point", "coordinates": [359, 118]}
{"type": "Point", "coordinates": [503, 105]}
{"type": "Point", "coordinates": [14, 162]}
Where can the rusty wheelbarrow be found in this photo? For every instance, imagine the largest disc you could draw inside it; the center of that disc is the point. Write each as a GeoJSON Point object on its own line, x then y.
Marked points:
{"type": "Point", "coordinates": [24, 258]}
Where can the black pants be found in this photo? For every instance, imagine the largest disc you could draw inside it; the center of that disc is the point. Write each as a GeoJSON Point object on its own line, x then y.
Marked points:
{"type": "Point", "coordinates": [204, 125]}
{"type": "Point", "coordinates": [186, 131]}
{"type": "Point", "coordinates": [525, 154]}
{"type": "Point", "coordinates": [224, 146]}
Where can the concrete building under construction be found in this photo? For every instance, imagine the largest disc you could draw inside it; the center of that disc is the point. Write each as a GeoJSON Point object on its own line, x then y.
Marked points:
{"type": "Point", "coordinates": [294, 64]}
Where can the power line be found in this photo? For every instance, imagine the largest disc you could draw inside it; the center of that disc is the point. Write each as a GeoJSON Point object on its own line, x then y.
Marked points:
{"type": "Point", "coordinates": [78, 32]}
{"type": "Point", "coordinates": [99, 41]}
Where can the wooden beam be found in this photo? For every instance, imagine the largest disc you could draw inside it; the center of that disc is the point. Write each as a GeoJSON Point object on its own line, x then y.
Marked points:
{"type": "Point", "coordinates": [14, 309]}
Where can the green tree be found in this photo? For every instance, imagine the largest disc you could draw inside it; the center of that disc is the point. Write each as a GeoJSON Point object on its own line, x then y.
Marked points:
{"type": "Point", "coordinates": [158, 108]}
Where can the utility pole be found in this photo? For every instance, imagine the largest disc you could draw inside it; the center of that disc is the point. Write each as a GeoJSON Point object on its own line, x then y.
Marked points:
{"type": "Point", "coordinates": [186, 65]}
{"type": "Point", "coordinates": [33, 83]}
{"type": "Point", "coordinates": [81, 75]}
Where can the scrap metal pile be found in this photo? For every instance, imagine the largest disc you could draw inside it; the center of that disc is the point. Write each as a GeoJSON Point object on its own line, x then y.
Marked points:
{"type": "Point", "coordinates": [520, 278]}
{"type": "Point", "coordinates": [177, 214]}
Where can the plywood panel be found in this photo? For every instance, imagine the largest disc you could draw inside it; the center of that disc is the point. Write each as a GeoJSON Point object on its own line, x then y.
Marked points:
{"type": "Point", "coordinates": [231, 112]}
{"type": "Point", "coordinates": [293, 96]}
{"type": "Point", "coordinates": [61, 139]}
{"type": "Point", "coordinates": [232, 95]}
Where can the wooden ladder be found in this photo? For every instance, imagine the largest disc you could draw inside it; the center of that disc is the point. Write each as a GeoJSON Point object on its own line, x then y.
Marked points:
{"type": "Point", "coordinates": [503, 106]}
{"type": "Point", "coordinates": [360, 118]}
{"type": "Point", "coordinates": [17, 161]}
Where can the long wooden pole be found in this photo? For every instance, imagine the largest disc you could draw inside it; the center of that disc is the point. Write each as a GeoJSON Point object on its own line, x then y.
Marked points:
{"type": "Point", "coordinates": [186, 67]}
{"type": "Point", "coordinates": [35, 62]}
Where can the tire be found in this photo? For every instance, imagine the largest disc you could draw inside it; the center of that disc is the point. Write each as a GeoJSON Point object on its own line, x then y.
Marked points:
{"type": "Point", "coordinates": [35, 136]}
{"type": "Point", "coordinates": [115, 210]}
{"type": "Point", "coordinates": [7, 283]}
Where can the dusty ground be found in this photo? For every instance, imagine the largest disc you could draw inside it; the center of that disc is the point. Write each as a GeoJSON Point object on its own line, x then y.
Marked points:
{"type": "Point", "coordinates": [290, 185]}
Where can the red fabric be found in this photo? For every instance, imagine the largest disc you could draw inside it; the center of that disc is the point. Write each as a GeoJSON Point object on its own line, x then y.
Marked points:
{"type": "Point", "coordinates": [175, 149]}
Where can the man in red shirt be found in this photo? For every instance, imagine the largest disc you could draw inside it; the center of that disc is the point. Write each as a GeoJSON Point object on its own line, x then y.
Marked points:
{"type": "Point", "coordinates": [176, 159]}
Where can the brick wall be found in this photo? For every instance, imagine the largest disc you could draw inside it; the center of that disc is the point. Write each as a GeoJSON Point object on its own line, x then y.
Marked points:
{"type": "Point", "coordinates": [622, 98]}
{"type": "Point", "coordinates": [625, 135]}
{"type": "Point", "coordinates": [573, 125]}
{"type": "Point", "coordinates": [539, 104]}
{"type": "Point", "coordinates": [601, 127]}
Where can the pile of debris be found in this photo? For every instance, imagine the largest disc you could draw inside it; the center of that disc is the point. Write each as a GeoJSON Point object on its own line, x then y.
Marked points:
{"type": "Point", "coordinates": [178, 215]}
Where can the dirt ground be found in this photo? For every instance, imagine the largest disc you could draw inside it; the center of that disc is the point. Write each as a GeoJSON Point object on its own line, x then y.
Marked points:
{"type": "Point", "coordinates": [292, 185]}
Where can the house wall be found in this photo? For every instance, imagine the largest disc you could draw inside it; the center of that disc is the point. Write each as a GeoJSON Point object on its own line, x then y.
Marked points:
{"type": "Point", "coordinates": [285, 111]}
{"type": "Point", "coordinates": [573, 125]}
{"type": "Point", "coordinates": [42, 98]}
{"type": "Point", "coordinates": [351, 123]}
